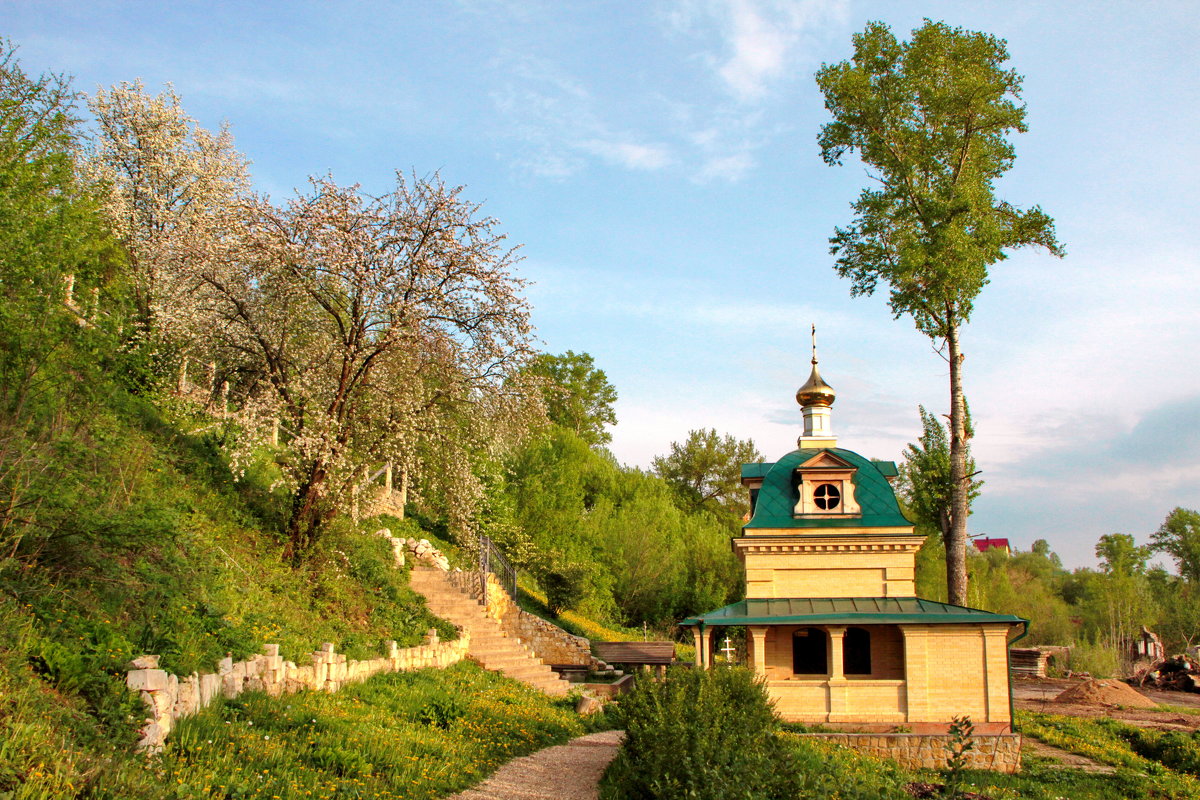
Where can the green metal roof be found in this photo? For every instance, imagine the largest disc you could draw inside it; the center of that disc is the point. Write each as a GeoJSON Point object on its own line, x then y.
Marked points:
{"type": "Point", "coordinates": [888, 468]}
{"type": "Point", "coordinates": [847, 611]}
{"type": "Point", "coordinates": [756, 470]}
{"type": "Point", "coordinates": [777, 497]}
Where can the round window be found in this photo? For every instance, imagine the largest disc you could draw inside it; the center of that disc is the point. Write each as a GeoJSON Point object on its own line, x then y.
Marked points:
{"type": "Point", "coordinates": [827, 496]}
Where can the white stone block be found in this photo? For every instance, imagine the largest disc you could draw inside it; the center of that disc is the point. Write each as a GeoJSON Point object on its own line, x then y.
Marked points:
{"type": "Point", "coordinates": [147, 680]}
{"type": "Point", "coordinates": [210, 687]}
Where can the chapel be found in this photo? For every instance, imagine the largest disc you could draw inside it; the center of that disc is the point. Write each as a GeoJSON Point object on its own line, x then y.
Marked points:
{"type": "Point", "coordinates": [833, 623]}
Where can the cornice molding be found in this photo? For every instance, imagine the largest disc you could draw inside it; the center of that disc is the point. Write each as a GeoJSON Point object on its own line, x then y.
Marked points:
{"type": "Point", "coordinates": [825, 547]}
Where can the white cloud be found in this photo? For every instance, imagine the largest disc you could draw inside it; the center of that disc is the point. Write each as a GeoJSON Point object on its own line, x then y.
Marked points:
{"type": "Point", "coordinates": [629, 154]}
{"type": "Point", "coordinates": [732, 167]}
{"type": "Point", "coordinates": [559, 120]}
{"type": "Point", "coordinates": [760, 49]}
{"type": "Point", "coordinates": [759, 41]}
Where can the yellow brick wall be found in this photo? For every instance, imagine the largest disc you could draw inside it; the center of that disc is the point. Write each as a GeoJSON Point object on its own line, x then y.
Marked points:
{"type": "Point", "coordinates": [848, 574]}
{"type": "Point", "coordinates": [920, 674]}
{"type": "Point", "coordinates": [956, 670]}
{"type": "Point", "coordinates": [887, 652]}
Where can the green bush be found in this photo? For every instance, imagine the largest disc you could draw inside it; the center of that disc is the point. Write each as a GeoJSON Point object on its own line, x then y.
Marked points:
{"type": "Point", "coordinates": [697, 734]}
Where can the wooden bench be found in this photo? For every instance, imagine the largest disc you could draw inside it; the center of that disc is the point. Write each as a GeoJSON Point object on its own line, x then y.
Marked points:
{"type": "Point", "coordinates": [640, 654]}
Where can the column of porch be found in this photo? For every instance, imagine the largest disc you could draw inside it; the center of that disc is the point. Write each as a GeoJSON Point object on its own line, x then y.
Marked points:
{"type": "Point", "coordinates": [758, 650]}
{"type": "Point", "coordinates": [839, 700]}
{"type": "Point", "coordinates": [704, 646]}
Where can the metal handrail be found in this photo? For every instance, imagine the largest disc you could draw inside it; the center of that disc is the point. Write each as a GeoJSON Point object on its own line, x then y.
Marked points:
{"type": "Point", "coordinates": [493, 561]}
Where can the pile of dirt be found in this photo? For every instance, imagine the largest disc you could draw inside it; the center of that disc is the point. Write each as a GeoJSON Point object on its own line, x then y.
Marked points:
{"type": "Point", "coordinates": [1105, 693]}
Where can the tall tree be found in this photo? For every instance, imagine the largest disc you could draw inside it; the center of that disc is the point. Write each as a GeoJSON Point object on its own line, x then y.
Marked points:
{"type": "Point", "coordinates": [1179, 537]}
{"type": "Point", "coordinates": [930, 119]}
{"type": "Point", "coordinates": [706, 469]}
{"type": "Point", "coordinates": [925, 476]}
{"type": "Point", "coordinates": [55, 256]}
{"type": "Point", "coordinates": [578, 396]}
{"type": "Point", "coordinates": [1123, 596]}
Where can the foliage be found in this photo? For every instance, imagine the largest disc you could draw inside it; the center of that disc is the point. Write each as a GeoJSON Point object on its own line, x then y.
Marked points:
{"type": "Point", "coordinates": [578, 396]}
{"type": "Point", "coordinates": [167, 180]}
{"type": "Point", "coordinates": [1179, 537]}
{"type": "Point", "coordinates": [698, 734]}
{"type": "Point", "coordinates": [376, 329]}
{"type": "Point", "coordinates": [368, 740]}
{"type": "Point", "coordinates": [960, 743]}
{"type": "Point", "coordinates": [712, 734]}
{"type": "Point", "coordinates": [1117, 744]}
{"type": "Point", "coordinates": [55, 257]}
{"type": "Point", "coordinates": [610, 542]}
{"type": "Point", "coordinates": [925, 476]}
{"type": "Point", "coordinates": [930, 119]}
{"type": "Point", "coordinates": [817, 769]}
{"type": "Point", "coordinates": [706, 470]}
{"type": "Point", "coordinates": [346, 330]}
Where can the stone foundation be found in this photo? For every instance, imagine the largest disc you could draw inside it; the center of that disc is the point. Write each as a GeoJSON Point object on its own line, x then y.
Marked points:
{"type": "Point", "coordinates": [168, 697]}
{"type": "Point", "coordinates": [1000, 753]}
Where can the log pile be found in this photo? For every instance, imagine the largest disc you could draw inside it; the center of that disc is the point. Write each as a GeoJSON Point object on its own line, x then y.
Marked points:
{"type": "Point", "coordinates": [1180, 673]}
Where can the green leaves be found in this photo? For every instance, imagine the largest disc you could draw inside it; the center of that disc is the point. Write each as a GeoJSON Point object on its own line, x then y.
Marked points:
{"type": "Point", "coordinates": [578, 396]}
{"type": "Point", "coordinates": [930, 119]}
{"type": "Point", "coordinates": [706, 470]}
{"type": "Point", "coordinates": [925, 475]}
{"type": "Point", "coordinates": [1179, 537]}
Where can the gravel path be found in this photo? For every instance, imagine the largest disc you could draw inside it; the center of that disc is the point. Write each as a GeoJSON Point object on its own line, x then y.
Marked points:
{"type": "Point", "coordinates": [567, 772]}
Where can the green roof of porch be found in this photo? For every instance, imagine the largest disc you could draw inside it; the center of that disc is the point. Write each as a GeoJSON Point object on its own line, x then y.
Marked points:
{"type": "Point", "coordinates": [848, 611]}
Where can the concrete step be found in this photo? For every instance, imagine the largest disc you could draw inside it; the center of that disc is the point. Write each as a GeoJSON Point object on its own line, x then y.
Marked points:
{"type": "Point", "coordinates": [490, 645]}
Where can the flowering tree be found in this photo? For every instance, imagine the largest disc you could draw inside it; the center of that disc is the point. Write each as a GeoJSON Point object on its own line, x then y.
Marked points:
{"type": "Point", "coordinates": [167, 178]}
{"type": "Point", "coordinates": [375, 328]}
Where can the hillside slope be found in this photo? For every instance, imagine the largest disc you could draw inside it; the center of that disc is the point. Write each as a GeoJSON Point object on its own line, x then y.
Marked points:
{"type": "Point", "coordinates": [145, 543]}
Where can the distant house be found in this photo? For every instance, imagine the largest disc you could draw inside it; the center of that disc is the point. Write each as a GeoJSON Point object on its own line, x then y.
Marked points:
{"type": "Point", "coordinates": [833, 623]}
{"type": "Point", "coordinates": [983, 545]}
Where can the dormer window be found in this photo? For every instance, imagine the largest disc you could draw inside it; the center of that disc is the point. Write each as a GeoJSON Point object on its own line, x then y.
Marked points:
{"type": "Point", "coordinates": [824, 488]}
{"type": "Point", "coordinates": [827, 496]}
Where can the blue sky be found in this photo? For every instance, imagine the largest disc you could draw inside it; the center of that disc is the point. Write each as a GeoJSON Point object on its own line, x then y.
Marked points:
{"type": "Point", "coordinates": [658, 163]}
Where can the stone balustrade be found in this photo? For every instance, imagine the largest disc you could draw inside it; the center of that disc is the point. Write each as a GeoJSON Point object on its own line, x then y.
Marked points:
{"type": "Point", "coordinates": [169, 697]}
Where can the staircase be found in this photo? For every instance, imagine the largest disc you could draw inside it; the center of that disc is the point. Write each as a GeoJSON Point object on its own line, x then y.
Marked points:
{"type": "Point", "coordinates": [490, 645]}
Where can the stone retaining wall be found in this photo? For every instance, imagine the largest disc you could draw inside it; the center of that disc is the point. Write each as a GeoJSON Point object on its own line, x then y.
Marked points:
{"type": "Point", "coordinates": [549, 642]}
{"type": "Point", "coordinates": [168, 697]}
{"type": "Point", "coordinates": [999, 752]}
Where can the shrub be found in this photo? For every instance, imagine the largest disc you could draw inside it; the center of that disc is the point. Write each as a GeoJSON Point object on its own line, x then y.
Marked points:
{"type": "Point", "coordinates": [698, 734]}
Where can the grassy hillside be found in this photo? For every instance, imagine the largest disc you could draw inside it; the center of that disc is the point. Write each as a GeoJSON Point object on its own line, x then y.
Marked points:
{"type": "Point", "coordinates": [144, 542]}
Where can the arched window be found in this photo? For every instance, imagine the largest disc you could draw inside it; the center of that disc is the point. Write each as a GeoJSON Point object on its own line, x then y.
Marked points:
{"type": "Point", "coordinates": [856, 652]}
{"type": "Point", "coordinates": [810, 648]}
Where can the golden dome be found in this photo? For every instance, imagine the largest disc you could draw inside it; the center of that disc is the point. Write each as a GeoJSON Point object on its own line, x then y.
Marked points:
{"type": "Point", "coordinates": [815, 392]}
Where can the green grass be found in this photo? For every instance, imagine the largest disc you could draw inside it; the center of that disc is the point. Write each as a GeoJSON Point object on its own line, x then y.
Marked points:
{"type": "Point", "coordinates": [146, 543]}
{"type": "Point", "coordinates": [533, 600]}
{"type": "Point", "coordinates": [407, 735]}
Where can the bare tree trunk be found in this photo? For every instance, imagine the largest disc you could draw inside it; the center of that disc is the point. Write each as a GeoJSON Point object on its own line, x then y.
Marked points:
{"type": "Point", "coordinates": [960, 488]}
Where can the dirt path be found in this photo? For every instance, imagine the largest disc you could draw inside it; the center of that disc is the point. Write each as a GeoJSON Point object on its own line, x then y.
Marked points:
{"type": "Point", "coordinates": [1066, 758]}
{"type": "Point", "coordinates": [569, 771]}
{"type": "Point", "coordinates": [1037, 694]}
